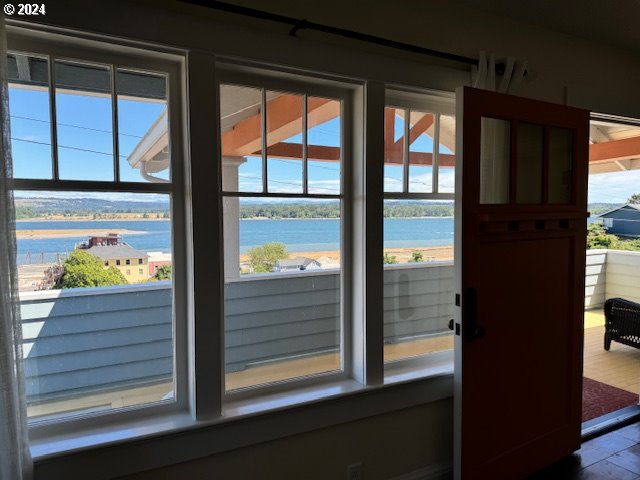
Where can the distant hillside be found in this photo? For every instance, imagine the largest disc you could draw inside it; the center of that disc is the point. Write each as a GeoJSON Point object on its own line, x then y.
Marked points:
{"type": "Point", "coordinates": [598, 208]}
{"type": "Point", "coordinates": [72, 207]}
{"type": "Point", "coordinates": [92, 207]}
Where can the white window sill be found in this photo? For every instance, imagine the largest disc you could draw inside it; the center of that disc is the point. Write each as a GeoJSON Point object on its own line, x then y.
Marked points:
{"type": "Point", "coordinates": [123, 448]}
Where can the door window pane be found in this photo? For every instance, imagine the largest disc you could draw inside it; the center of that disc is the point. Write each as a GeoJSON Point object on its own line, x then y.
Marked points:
{"type": "Point", "coordinates": [421, 148]}
{"type": "Point", "coordinates": [418, 277]}
{"type": "Point", "coordinates": [241, 125]}
{"type": "Point", "coordinates": [560, 164]}
{"type": "Point", "coordinates": [530, 154]}
{"type": "Point", "coordinates": [143, 127]}
{"type": "Point", "coordinates": [84, 118]}
{"type": "Point", "coordinates": [98, 334]}
{"type": "Point", "coordinates": [495, 154]}
{"type": "Point", "coordinates": [30, 116]}
{"type": "Point", "coordinates": [282, 264]}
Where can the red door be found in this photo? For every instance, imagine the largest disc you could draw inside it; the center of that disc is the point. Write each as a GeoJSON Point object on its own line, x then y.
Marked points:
{"type": "Point", "coordinates": [520, 257]}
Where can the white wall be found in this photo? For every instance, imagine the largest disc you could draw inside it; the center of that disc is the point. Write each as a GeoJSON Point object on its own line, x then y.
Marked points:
{"type": "Point", "coordinates": [623, 275]}
{"type": "Point", "coordinates": [595, 278]}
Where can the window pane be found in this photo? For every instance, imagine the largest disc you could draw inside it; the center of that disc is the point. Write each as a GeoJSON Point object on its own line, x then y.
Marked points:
{"type": "Point", "coordinates": [282, 290]}
{"type": "Point", "coordinates": [529, 160]}
{"type": "Point", "coordinates": [84, 119]}
{"type": "Point", "coordinates": [143, 127]}
{"type": "Point", "coordinates": [418, 277]}
{"type": "Point", "coordinates": [324, 145]}
{"type": "Point", "coordinates": [560, 164]}
{"type": "Point", "coordinates": [97, 330]}
{"type": "Point", "coordinates": [241, 124]}
{"type": "Point", "coordinates": [393, 149]}
{"type": "Point", "coordinates": [495, 155]}
{"type": "Point", "coordinates": [284, 143]}
{"type": "Point", "coordinates": [30, 116]}
{"type": "Point", "coordinates": [421, 133]}
{"type": "Point", "coordinates": [447, 154]}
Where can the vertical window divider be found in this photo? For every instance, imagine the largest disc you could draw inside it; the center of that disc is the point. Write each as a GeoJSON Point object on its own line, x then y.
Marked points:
{"type": "Point", "coordinates": [263, 127]}
{"type": "Point", "coordinates": [405, 151]}
{"type": "Point", "coordinates": [367, 242]}
{"type": "Point", "coordinates": [114, 121]}
{"type": "Point", "coordinates": [206, 333]}
{"type": "Point", "coordinates": [435, 161]}
{"type": "Point", "coordinates": [52, 118]}
{"type": "Point", "coordinates": [305, 151]}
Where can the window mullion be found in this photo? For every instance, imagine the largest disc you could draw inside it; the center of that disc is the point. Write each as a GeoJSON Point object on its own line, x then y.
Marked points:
{"type": "Point", "coordinates": [52, 116]}
{"type": "Point", "coordinates": [367, 285]}
{"type": "Point", "coordinates": [207, 307]}
{"type": "Point", "coordinates": [114, 120]}
{"type": "Point", "coordinates": [435, 164]}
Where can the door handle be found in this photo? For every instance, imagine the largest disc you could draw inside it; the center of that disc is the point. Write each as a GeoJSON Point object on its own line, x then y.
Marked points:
{"type": "Point", "coordinates": [472, 331]}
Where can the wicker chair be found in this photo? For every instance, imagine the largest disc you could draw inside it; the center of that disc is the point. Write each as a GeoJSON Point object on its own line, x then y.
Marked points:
{"type": "Point", "coordinates": [622, 322]}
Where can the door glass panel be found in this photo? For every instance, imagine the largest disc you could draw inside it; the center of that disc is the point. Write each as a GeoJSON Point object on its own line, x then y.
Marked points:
{"type": "Point", "coordinates": [421, 134]}
{"type": "Point", "coordinates": [495, 152]}
{"type": "Point", "coordinates": [529, 163]}
{"type": "Point", "coordinates": [560, 164]}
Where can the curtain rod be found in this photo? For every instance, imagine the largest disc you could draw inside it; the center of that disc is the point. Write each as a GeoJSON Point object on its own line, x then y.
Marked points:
{"type": "Point", "coordinates": [301, 24]}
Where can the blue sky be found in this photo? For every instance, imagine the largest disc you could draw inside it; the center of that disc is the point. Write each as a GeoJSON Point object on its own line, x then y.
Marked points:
{"type": "Point", "coordinates": [85, 134]}
{"type": "Point", "coordinates": [86, 150]}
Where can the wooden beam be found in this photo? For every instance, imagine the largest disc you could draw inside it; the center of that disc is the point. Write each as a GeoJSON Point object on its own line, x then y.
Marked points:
{"type": "Point", "coordinates": [420, 127]}
{"type": "Point", "coordinates": [321, 153]}
{"type": "Point", "coordinates": [284, 120]}
{"type": "Point", "coordinates": [624, 149]}
{"type": "Point", "coordinates": [389, 125]}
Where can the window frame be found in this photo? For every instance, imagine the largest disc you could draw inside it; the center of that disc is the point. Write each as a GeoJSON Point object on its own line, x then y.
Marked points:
{"type": "Point", "coordinates": [438, 103]}
{"type": "Point", "coordinates": [274, 79]}
{"type": "Point", "coordinates": [59, 47]}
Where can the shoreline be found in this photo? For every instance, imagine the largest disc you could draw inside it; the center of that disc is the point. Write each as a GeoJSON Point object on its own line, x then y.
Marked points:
{"type": "Point", "coordinates": [30, 234]}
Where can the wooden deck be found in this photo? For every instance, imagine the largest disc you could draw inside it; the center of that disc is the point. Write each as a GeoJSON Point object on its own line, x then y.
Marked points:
{"type": "Point", "coordinates": [619, 367]}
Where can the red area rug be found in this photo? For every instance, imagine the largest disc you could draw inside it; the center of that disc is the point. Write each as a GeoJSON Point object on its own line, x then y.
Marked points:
{"type": "Point", "coordinates": [599, 399]}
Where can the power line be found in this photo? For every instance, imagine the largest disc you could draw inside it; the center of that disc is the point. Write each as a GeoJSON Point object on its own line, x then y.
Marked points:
{"type": "Point", "coordinates": [74, 126]}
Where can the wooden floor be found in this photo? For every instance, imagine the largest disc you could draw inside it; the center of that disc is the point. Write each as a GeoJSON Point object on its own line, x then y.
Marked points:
{"type": "Point", "coordinates": [619, 366]}
{"type": "Point", "coordinates": [614, 456]}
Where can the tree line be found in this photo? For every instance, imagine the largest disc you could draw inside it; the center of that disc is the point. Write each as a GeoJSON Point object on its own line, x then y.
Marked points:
{"type": "Point", "coordinates": [332, 210]}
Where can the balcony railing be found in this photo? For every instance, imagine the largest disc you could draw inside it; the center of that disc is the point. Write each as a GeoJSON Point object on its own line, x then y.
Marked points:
{"type": "Point", "coordinates": [78, 342]}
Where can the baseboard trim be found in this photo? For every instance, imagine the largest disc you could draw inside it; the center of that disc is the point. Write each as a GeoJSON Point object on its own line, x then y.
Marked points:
{"type": "Point", "coordinates": [439, 471]}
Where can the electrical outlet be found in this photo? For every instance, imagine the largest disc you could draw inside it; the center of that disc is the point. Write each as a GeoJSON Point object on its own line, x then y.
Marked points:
{"type": "Point", "coordinates": [354, 471]}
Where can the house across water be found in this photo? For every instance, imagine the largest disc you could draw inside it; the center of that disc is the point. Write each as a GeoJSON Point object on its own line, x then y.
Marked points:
{"type": "Point", "coordinates": [133, 263]}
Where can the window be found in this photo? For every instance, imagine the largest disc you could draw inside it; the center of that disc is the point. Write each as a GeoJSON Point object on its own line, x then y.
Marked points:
{"type": "Point", "coordinates": [419, 162]}
{"type": "Point", "coordinates": [282, 177]}
{"type": "Point", "coordinates": [286, 190]}
{"type": "Point", "coordinates": [92, 157]}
